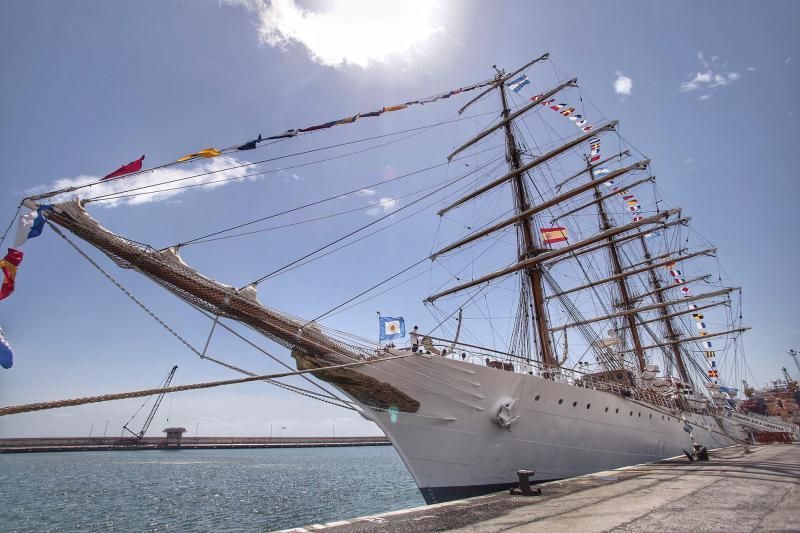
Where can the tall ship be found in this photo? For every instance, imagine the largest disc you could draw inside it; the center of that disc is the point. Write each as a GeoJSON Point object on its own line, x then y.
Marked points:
{"type": "Point", "coordinates": [581, 325]}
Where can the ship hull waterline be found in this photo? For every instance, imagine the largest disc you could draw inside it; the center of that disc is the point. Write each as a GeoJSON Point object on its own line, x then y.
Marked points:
{"type": "Point", "coordinates": [454, 447]}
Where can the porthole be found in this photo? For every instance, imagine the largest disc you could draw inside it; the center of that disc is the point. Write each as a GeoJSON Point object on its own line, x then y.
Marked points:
{"type": "Point", "coordinates": [640, 414]}
{"type": "Point", "coordinates": [631, 413]}
{"type": "Point", "coordinates": [606, 409]}
{"type": "Point", "coordinates": [574, 404]}
{"type": "Point", "coordinates": [536, 399]}
{"type": "Point", "coordinates": [616, 411]}
{"type": "Point", "coordinates": [560, 401]}
{"type": "Point", "coordinates": [588, 405]}
{"type": "Point", "coordinates": [651, 415]}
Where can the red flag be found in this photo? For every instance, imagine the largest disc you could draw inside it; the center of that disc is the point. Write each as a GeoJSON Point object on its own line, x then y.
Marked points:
{"type": "Point", "coordinates": [9, 266]}
{"type": "Point", "coordinates": [133, 166]}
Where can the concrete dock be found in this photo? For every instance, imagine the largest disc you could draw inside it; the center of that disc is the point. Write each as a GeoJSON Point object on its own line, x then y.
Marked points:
{"type": "Point", "coordinates": [734, 491]}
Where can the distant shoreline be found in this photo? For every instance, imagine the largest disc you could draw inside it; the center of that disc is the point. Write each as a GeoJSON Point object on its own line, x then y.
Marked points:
{"type": "Point", "coordinates": [98, 444]}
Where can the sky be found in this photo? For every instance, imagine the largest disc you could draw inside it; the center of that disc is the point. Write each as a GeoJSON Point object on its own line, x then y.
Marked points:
{"type": "Point", "coordinates": [706, 90]}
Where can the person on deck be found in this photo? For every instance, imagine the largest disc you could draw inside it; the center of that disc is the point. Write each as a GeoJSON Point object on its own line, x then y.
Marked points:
{"type": "Point", "coordinates": [414, 339]}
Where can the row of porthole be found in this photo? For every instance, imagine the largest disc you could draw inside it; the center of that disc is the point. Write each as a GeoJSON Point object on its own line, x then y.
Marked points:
{"type": "Point", "coordinates": [616, 411]}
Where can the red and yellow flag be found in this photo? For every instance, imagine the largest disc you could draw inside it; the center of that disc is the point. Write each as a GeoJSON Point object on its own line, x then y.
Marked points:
{"type": "Point", "coordinates": [206, 153]}
{"type": "Point", "coordinates": [551, 235]}
{"type": "Point", "coordinates": [9, 266]}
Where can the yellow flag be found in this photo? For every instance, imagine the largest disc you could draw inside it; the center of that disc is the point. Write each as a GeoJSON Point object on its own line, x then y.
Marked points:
{"type": "Point", "coordinates": [394, 107]}
{"type": "Point", "coordinates": [205, 152]}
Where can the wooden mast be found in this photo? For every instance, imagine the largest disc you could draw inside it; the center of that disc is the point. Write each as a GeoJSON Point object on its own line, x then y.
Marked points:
{"type": "Point", "coordinates": [529, 245]}
{"type": "Point", "coordinates": [616, 266]}
{"type": "Point", "coordinates": [665, 314]}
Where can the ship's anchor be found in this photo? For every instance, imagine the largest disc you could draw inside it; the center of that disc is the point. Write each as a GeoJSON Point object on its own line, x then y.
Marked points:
{"type": "Point", "coordinates": [507, 414]}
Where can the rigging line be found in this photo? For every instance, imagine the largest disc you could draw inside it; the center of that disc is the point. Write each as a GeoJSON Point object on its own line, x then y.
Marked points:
{"type": "Point", "coordinates": [10, 224]}
{"type": "Point", "coordinates": [368, 290]}
{"type": "Point", "coordinates": [27, 408]}
{"type": "Point", "coordinates": [365, 226]}
{"type": "Point", "coordinates": [316, 219]}
{"type": "Point", "coordinates": [257, 347]}
{"type": "Point", "coordinates": [304, 152]}
{"type": "Point", "coordinates": [163, 324]}
{"type": "Point", "coordinates": [356, 240]}
{"type": "Point", "coordinates": [317, 202]}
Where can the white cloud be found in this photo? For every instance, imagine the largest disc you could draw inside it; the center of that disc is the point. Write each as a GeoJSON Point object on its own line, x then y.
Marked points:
{"type": "Point", "coordinates": [751, 69]}
{"type": "Point", "coordinates": [358, 32]}
{"type": "Point", "coordinates": [365, 192]}
{"type": "Point", "coordinates": [787, 60]}
{"type": "Point", "coordinates": [206, 174]}
{"type": "Point", "coordinates": [382, 206]}
{"type": "Point", "coordinates": [623, 84]}
{"type": "Point", "coordinates": [713, 76]}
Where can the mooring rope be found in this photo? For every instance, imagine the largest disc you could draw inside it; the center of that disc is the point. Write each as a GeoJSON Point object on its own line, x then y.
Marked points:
{"type": "Point", "coordinates": [41, 406]}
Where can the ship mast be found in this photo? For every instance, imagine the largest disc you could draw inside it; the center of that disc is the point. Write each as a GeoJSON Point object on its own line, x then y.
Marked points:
{"type": "Point", "coordinates": [672, 333]}
{"type": "Point", "coordinates": [616, 266]}
{"type": "Point", "coordinates": [528, 245]}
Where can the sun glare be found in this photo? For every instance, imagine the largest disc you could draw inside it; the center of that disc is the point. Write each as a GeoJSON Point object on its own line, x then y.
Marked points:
{"type": "Point", "coordinates": [358, 32]}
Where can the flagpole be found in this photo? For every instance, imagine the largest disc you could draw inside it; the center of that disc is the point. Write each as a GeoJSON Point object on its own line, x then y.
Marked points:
{"type": "Point", "coordinates": [379, 328]}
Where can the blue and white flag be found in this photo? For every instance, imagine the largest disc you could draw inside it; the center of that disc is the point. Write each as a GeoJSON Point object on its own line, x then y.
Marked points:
{"type": "Point", "coordinates": [6, 357]}
{"type": "Point", "coordinates": [391, 328]}
{"type": "Point", "coordinates": [31, 224]}
{"type": "Point", "coordinates": [602, 171]}
{"type": "Point", "coordinates": [516, 85]}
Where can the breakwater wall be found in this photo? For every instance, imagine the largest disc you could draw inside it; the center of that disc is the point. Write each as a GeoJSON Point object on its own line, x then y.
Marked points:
{"type": "Point", "coordinates": [65, 444]}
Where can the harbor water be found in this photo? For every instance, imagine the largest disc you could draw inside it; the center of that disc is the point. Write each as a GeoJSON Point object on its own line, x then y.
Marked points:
{"type": "Point", "coordinates": [209, 490]}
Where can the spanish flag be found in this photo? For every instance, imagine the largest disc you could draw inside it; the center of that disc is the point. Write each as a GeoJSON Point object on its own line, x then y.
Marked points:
{"type": "Point", "coordinates": [551, 235]}
{"type": "Point", "coordinates": [9, 266]}
{"type": "Point", "coordinates": [205, 152]}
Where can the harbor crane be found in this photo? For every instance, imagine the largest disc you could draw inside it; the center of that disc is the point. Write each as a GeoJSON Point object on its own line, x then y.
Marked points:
{"type": "Point", "coordinates": [164, 384]}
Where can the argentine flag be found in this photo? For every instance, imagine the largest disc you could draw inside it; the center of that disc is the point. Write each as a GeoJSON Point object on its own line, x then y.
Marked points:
{"type": "Point", "coordinates": [391, 328]}
{"type": "Point", "coordinates": [517, 84]}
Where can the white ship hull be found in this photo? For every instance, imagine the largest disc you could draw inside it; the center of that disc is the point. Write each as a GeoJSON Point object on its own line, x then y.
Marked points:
{"type": "Point", "coordinates": [454, 447]}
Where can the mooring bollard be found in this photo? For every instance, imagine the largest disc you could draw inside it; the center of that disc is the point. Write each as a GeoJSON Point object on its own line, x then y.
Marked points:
{"type": "Point", "coordinates": [525, 484]}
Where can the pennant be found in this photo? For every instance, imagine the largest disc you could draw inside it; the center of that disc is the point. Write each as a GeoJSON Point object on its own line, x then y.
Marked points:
{"type": "Point", "coordinates": [575, 118]}
{"type": "Point", "coordinates": [394, 108]}
{"type": "Point", "coordinates": [703, 333]}
{"type": "Point", "coordinates": [318, 127]}
{"type": "Point", "coordinates": [206, 153]}
{"type": "Point", "coordinates": [637, 218]}
{"type": "Point", "coordinates": [556, 107]}
{"type": "Point", "coordinates": [676, 273]}
{"type": "Point", "coordinates": [709, 355]}
{"type": "Point", "coordinates": [250, 145]}
{"type": "Point", "coordinates": [713, 364]}
{"type": "Point", "coordinates": [651, 235]}
{"type": "Point", "coordinates": [707, 344]}
{"type": "Point", "coordinates": [287, 134]}
{"type": "Point", "coordinates": [553, 235]}
{"type": "Point", "coordinates": [133, 166]}
{"type": "Point", "coordinates": [9, 265]}
{"type": "Point", "coordinates": [6, 357]}
{"type": "Point", "coordinates": [391, 328]}
{"type": "Point", "coordinates": [581, 122]}
{"type": "Point", "coordinates": [546, 102]}
{"type": "Point", "coordinates": [700, 325]}
{"type": "Point", "coordinates": [678, 281]}
{"type": "Point", "coordinates": [712, 374]}
{"type": "Point", "coordinates": [31, 224]}
{"type": "Point", "coordinates": [348, 120]}
{"type": "Point", "coordinates": [588, 128]}
{"type": "Point", "coordinates": [373, 113]}
{"type": "Point", "coordinates": [686, 290]}
{"type": "Point", "coordinates": [567, 112]}
{"type": "Point", "coordinates": [697, 316]}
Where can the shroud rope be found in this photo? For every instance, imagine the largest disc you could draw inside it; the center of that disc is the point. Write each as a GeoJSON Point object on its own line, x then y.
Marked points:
{"type": "Point", "coordinates": [41, 406]}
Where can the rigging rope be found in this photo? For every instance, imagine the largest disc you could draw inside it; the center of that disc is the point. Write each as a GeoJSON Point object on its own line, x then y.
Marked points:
{"type": "Point", "coordinates": [10, 224]}
{"type": "Point", "coordinates": [41, 406]}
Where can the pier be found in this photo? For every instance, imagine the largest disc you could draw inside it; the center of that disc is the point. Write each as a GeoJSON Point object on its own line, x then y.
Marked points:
{"type": "Point", "coordinates": [734, 491]}
{"type": "Point", "coordinates": [92, 444]}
